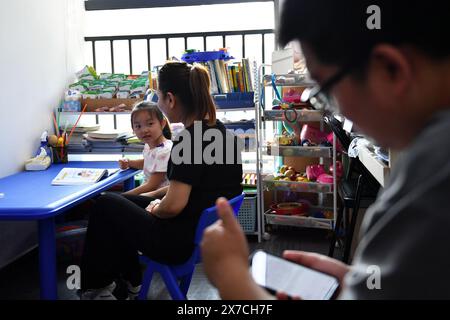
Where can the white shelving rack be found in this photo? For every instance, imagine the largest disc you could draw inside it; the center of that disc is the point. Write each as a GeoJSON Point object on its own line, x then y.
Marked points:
{"type": "Point", "coordinates": [265, 179]}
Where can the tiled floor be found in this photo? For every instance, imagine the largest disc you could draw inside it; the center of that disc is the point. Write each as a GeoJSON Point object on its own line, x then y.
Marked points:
{"type": "Point", "coordinates": [20, 280]}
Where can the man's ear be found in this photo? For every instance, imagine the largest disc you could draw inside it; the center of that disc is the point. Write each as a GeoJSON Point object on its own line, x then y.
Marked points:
{"type": "Point", "coordinates": [391, 69]}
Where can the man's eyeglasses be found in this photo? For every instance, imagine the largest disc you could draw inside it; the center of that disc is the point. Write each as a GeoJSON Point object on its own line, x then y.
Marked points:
{"type": "Point", "coordinates": [319, 96]}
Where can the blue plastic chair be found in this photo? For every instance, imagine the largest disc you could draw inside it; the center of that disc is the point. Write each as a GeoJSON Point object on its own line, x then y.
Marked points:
{"type": "Point", "coordinates": [178, 277]}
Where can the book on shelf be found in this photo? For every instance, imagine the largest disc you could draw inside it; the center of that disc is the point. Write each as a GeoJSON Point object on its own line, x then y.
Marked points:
{"type": "Point", "coordinates": [105, 134]}
{"type": "Point", "coordinates": [80, 176]}
{"type": "Point", "coordinates": [81, 128]}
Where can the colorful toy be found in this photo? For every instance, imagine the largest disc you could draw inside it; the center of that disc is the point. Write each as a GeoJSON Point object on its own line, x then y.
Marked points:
{"type": "Point", "coordinates": [285, 140]}
{"type": "Point", "coordinates": [325, 178]}
{"type": "Point", "coordinates": [312, 134]}
{"type": "Point", "coordinates": [314, 171]}
{"type": "Point", "coordinates": [300, 208]}
{"type": "Point", "coordinates": [292, 96]}
{"type": "Point", "coordinates": [290, 174]}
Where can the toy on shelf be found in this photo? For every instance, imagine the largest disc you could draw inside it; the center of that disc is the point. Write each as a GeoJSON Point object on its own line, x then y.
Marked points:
{"type": "Point", "coordinates": [286, 173]}
{"type": "Point", "coordinates": [249, 180]}
{"type": "Point", "coordinates": [299, 208]}
{"type": "Point", "coordinates": [290, 98]}
{"type": "Point", "coordinates": [284, 140]}
{"type": "Point", "coordinates": [318, 173]}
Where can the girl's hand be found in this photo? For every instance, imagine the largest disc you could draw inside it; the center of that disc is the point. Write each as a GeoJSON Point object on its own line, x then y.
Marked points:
{"type": "Point", "coordinates": [124, 164]}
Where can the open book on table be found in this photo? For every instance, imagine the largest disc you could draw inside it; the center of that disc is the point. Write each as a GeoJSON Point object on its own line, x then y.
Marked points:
{"type": "Point", "coordinates": [78, 176]}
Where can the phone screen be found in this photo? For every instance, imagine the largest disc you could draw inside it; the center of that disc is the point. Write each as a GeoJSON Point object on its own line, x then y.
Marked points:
{"type": "Point", "coordinates": [295, 280]}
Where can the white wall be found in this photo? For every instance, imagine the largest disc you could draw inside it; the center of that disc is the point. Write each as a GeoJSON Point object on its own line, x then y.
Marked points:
{"type": "Point", "coordinates": [40, 51]}
{"type": "Point", "coordinates": [41, 48]}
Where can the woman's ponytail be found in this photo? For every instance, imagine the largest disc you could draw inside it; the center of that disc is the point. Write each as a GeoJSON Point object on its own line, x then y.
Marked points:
{"type": "Point", "coordinates": [200, 85]}
{"type": "Point", "coordinates": [191, 85]}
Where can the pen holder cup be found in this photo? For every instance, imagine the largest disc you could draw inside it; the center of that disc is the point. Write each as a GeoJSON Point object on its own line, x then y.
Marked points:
{"type": "Point", "coordinates": [59, 154]}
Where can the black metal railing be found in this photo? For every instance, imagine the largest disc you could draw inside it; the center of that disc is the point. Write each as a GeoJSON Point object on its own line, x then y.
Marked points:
{"type": "Point", "coordinates": [168, 36]}
{"type": "Point", "coordinates": [139, 4]}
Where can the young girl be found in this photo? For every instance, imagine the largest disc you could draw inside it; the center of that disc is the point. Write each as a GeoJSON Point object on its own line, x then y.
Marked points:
{"type": "Point", "coordinates": [151, 127]}
{"type": "Point", "coordinates": [164, 229]}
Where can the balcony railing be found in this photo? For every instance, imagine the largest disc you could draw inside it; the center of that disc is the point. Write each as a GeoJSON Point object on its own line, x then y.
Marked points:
{"type": "Point", "coordinates": [204, 35]}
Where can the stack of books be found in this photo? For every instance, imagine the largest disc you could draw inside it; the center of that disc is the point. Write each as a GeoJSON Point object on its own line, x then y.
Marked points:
{"type": "Point", "coordinates": [133, 145]}
{"type": "Point", "coordinates": [77, 142]}
{"type": "Point", "coordinates": [103, 141]}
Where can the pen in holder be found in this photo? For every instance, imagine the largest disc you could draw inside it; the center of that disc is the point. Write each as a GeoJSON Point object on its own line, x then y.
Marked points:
{"type": "Point", "coordinates": [59, 154]}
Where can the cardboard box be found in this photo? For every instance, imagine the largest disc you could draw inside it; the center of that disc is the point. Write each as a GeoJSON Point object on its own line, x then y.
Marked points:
{"type": "Point", "coordinates": [93, 104]}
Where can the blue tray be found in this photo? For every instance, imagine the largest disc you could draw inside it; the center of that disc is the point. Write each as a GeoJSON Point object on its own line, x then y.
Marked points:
{"type": "Point", "coordinates": [234, 100]}
{"type": "Point", "coordinates": [205, 56]}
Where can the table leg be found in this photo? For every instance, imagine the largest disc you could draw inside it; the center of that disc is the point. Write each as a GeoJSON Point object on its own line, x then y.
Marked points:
{"type": "Point", "coordinates": [128, 184]}
{"type": "Point", "coordinates": [47, 259]}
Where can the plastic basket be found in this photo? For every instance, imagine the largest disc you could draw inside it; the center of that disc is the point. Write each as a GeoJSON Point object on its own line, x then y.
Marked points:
{"type": "Point", "coordinates": [247, 214]}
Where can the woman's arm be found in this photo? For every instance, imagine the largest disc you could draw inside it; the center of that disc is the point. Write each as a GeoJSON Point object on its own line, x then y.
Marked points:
{"type": "Point", "coordinates": [174, 201]}
{"type": "Point", "coordinates": [151, 185]}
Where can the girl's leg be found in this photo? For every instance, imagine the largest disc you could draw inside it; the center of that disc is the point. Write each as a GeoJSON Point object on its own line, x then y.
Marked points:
{"type": "Point", "coordinates": [117, 228]}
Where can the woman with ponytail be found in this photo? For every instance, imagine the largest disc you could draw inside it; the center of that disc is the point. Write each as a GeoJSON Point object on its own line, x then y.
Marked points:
{"type": "Point", "coordinates": [204, 164]}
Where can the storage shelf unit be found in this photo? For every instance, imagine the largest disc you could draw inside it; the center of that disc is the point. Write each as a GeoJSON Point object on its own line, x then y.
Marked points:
{"type": "Point", "coordinates": [325, 193]}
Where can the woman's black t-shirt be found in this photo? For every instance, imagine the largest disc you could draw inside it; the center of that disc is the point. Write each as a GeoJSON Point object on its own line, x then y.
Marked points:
{"type": "Point", "coordinates": [209, 159]}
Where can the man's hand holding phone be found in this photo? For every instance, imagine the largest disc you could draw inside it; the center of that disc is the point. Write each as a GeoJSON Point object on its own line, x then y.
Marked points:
{"type": "Point", "coordinates": [317, 262]}
{"type": "Point", "coordinates": [314, 279]}
{"type": "Point", "coordinates": [225, 258]}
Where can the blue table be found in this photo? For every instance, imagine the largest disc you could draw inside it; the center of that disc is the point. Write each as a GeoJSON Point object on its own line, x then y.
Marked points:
{"type": "Point", "coordinates": [29, 195]}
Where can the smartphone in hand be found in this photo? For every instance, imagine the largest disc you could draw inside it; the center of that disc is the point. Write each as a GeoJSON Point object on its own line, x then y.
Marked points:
{"type": "Point", "coordinates": [276, 274]}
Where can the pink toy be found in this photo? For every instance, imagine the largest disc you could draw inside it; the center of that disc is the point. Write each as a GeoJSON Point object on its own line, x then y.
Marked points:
{"type": "Point", "coordinates": [292, 96]}
{"type": "Point", "coordinates": [325, 178]}
{"type": "Point", "coordinates": [313, 134]}
{"type": "Point", "coordinates": [314, 171]}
